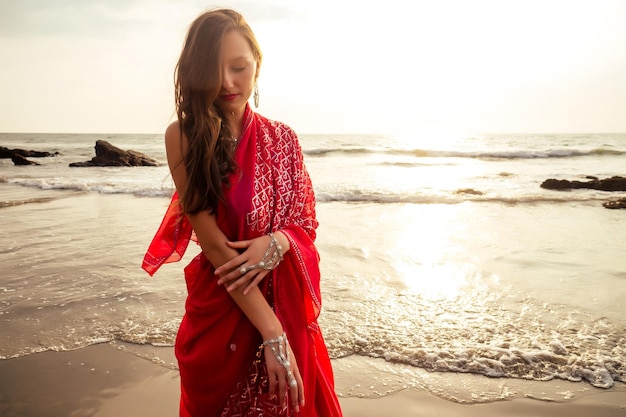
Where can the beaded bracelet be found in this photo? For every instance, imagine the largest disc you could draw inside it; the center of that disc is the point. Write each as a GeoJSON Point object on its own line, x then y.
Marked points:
{"type": "Point", "coordinates": [270, 260]}
{"type": "Point", "coordinates": [280, 348]}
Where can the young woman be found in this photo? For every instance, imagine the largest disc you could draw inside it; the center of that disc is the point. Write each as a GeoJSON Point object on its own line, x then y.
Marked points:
{"type": "Point", "coordinates": [249, 343]}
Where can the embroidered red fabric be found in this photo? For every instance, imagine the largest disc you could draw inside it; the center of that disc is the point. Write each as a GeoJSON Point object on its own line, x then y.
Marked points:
{"type": "Point", "coordinates": [216, 345]}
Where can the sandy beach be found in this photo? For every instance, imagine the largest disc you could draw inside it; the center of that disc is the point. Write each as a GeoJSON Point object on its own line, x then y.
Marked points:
{"type": "Point", "coordinates": [106, 380]}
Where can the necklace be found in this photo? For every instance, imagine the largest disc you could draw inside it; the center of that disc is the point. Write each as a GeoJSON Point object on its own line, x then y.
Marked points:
{"type": "Point", "coordinates": [233, 141]}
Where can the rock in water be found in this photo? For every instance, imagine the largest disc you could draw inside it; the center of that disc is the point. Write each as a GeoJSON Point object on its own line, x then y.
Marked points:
{"type": "Point", "coordinates": [108, 155]}
{"type": "Point", "coordinates": [615, 204]}
{"type": "Point", "coordinates": [18, 156]}
{"type": "Point", "coordinates": [615, 183]}
{"type": "Point", "coordinates": [20, 160]}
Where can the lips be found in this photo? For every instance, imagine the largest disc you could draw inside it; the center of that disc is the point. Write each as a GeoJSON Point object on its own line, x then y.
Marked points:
{"type": "Point", "coordinates": [228, 97]}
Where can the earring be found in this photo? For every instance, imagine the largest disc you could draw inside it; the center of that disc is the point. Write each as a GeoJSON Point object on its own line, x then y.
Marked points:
{"type": "Point", "coordinates": [256, 95]}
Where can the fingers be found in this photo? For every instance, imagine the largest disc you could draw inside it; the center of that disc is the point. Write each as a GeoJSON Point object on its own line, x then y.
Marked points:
{"type": "Point", "coordinates": [230, 269]}
{"type": "Point", "coordinates": [282, 389]}
{"type": "Point", "coordinates": [236, 272]}
{"type": "Point", "coordinates": [281, 380]}
{"type": "Point", "coordinates": [258, 278]}
{"type": "Point", "coordinates": [272, 381]}
{"type": "Point", "coordinates": [234, 279]}
{"type": "Point", "coordinates": [239, 244]}
{"type": "Point", "coordinates": [236, 261]}
{"type": "Point", "coordinates": [300, 393]}
{"type": "Point", "coordinates": [286, 376]}
{"type": "Point", "coordinates": [233, 285]}
{"type": "Point", "coordinates": [297, 390]}
{"type": "Point", "coordinates": [292, 385]}
{"type": "Point", "coordinates": [230, 278]}
{"type": "Point", "coordinates": [252, 275]}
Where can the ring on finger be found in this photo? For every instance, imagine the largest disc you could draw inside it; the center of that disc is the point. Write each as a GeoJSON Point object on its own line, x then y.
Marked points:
{"type": "Point", "coordinates": [243, 270]}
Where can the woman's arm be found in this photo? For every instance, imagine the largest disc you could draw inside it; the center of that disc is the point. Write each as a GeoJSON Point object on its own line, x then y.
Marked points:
{"type": "Point", "coordinates": [253, 304]}
{"type": "Point", "coordinates": [213, 241]}
{"type": "Point", "coordinates": [215, 248]}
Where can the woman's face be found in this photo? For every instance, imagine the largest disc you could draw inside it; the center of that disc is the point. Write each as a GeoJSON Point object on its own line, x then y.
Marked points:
{"type": "Point", "coordinates": [238, 73]}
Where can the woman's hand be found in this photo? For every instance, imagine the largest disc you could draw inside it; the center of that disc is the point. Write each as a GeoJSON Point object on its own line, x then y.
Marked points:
{"type": "Point", "coordinates": [277, 374]}
{"type": "Point", "coordinates": [230, 273]}
{"type": "Point", "coordinates": [253, 252]}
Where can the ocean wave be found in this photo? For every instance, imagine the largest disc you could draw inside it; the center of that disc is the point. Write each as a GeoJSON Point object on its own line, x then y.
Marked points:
{"type": "Point", "coordinates": [504, 154]}
{"type": "Point", "coordinates": [11, 203]}
{"type": "Point", "coordinates": [441, 337]}
{"type": "Point", "coordinates": [544, 364]}
{"type": "Point", "coordinates": [495, 341]}
{"type": "Point", "coordinates": [140, 190]}
{"type": "Point", "coordinates": [533, 364]}
{"type": "Point", "coordinates": [455, 197]}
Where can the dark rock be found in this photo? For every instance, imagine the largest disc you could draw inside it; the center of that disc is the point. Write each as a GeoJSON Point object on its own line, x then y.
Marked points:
{"type": "Point", "coordinates": [20, 160]}
{"type": "Point", "coordinates": [8, 153]}
{"type": "Point", "coordinates": [613, 184]}
{"type": "Point", "coordinates": [470, 191]}
{"type": "Point", "coordinates": [620, 203]}
{"type": "Point", "coordinates": [554, 184]}
{"type": "Point", "coordinates": [608, 184]}
{"type": "Point", "coordinates": [108, 155]}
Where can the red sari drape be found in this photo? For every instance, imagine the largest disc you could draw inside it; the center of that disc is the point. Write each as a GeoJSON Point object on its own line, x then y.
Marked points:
{"type": "Point", "coordinates": [221, 369]}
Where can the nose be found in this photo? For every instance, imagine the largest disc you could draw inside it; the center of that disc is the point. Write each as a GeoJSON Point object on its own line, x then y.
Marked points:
{"type": "Point", "coordinates": [227, 81]}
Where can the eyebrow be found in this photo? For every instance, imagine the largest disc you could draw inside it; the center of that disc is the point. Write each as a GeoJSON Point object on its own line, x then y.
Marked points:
{"type": "Point", "coordinates": [241, 58]}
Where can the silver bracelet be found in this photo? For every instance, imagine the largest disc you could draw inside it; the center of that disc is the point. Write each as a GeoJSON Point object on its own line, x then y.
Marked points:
{"type": "Point", "coordinates": [280, 348]}
{"type": "Point", "coordinates": [270, 260]}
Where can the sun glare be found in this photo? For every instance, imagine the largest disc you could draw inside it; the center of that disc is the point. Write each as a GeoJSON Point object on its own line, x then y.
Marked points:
{"type": "Point", "coordinates": [429, 140]}
{"type": "Point", "coordinates": [427, 260]}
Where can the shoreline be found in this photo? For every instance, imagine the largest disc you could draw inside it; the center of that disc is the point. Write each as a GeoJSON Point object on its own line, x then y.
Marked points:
{"type": "Point", "coordinates": [108, 379]}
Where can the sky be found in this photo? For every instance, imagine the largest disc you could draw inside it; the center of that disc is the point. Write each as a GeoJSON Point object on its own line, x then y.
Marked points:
{"type": "Point", "coordinates": [330, 66]}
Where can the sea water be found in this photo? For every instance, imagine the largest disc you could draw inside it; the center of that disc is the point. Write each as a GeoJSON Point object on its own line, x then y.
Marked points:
{"type": "Point", "coordinates": [439, 255]}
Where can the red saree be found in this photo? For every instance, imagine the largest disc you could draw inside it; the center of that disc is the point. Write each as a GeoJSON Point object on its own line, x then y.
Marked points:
{"type": "Point", "coordinates": [221, 367]}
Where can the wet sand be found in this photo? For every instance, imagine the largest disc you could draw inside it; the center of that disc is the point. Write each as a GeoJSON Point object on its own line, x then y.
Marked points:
{"type": "Point", "coordinates": [106, 380]}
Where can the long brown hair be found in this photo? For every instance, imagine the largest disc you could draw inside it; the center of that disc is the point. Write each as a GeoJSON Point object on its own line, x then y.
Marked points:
{"type": "Point", "coordinates": [197, 82]}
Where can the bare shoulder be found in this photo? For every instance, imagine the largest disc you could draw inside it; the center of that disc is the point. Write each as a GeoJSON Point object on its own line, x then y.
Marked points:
{"type": "Point", "coordinates": [175, 140]}
{"type": "Point", "coordinates": [173, 134]}
{"type": "Point", "coordinates": [175, 144]}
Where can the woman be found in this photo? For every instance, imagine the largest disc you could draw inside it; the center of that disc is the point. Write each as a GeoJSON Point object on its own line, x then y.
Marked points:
{"type": "Point", "coordinates": [249, 343]}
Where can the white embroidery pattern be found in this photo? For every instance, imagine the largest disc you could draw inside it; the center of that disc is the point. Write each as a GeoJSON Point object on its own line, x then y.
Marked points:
{"type": "Point", "coordinates": [281, 189]}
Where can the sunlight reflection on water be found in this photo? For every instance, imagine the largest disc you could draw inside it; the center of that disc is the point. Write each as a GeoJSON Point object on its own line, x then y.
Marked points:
{"type": "Point", "coordinates": [426, 288]}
